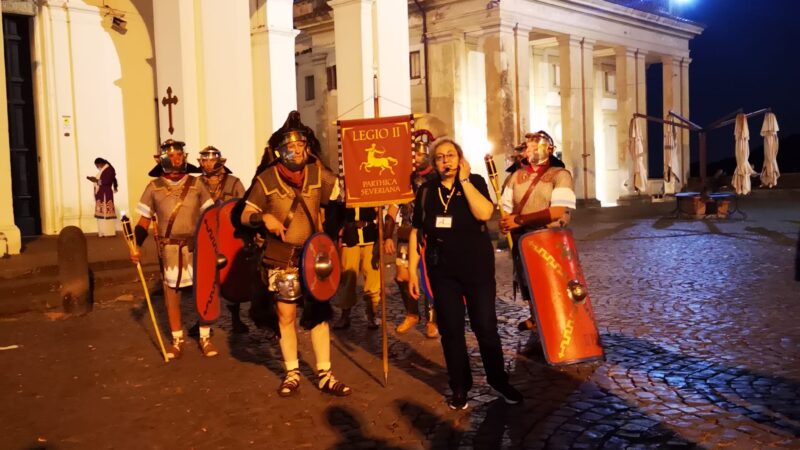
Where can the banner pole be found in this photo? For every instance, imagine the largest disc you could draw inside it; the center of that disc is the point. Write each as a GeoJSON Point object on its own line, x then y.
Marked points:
{"type": "Point", "coordinates": [377, 113]}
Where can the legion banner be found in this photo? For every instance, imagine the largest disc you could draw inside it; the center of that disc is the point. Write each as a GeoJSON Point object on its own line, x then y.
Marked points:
{"type": "Point", "coordinates": [375, 160]}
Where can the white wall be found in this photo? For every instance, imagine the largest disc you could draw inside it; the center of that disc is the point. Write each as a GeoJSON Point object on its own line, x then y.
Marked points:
{"type": "Point", "coordinates": [79, 111]}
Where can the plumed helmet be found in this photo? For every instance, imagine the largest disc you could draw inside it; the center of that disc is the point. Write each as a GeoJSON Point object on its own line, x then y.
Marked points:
{"type": "Point", "coordinates": [293, 130]}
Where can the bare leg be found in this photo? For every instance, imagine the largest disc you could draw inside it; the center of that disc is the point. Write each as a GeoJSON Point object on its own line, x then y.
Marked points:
{"type": "Point", "coordinates": [172, 297]}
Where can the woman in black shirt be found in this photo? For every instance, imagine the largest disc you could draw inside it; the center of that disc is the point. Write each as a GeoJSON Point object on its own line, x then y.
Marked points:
{"type": "Point", "coordinates": [450, 215]}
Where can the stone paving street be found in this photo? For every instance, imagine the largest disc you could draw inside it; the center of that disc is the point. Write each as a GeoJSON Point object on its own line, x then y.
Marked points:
{"type": "Point", "coordinates": [699, 321]}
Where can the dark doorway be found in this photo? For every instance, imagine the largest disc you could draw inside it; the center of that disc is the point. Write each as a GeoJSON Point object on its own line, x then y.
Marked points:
{"type": "Point", "coordinates": [655, 130]}
{"type": "Point", "coordinates": [21, 125]}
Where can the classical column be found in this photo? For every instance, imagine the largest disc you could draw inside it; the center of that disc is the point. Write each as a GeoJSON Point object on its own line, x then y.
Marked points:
{"type": "Point", "coordinates": [200, 47]}
{"type": "Point", "coordinates": [641, 94]}
{"type": "Point", "coordinates": [62, 197]}
{"type": "Point", "coordinates": [684, 133]}
{"type": "Point", "coordinates": [507, 62]}
{"type": "Point", "coordinates": [272, 38]}
{"type": "Point", "coordinates": [540, 87]}
{"type": "Point", "coordinates": [626, 106]}
{"type": "Point", "coordinates": [394, 78]}
{"type": "Point", "coordinates": [225, 90]}
{"type": "Point", "coordinates": [322, 116]}
{"type": "Point", "coordinates": [10, 239]}
{"type": "Point", "coordinates": [352, 24]}
{"type": "Point", "coordinates": [448, 80]}
{"type": "Point", "coordinates": [577, 112]}
{"type": "Point", "coordinates": [177, 89]}
{"type": "Point", "coordinates": [671, 72]}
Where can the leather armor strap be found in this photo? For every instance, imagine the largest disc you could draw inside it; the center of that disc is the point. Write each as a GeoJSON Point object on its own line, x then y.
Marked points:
{"type": "Point", "coordinates": [298, 195]}
{"type": "Point", "coordinates": [518, 207]}
{"type": "Point", "coordinates": [288, 220]}
{"type": "Point", "coordinates": [174, 214]}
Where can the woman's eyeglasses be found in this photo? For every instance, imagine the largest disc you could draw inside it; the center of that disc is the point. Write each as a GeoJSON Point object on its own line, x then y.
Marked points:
{"type": "Point", "coordinates": [447, 157]}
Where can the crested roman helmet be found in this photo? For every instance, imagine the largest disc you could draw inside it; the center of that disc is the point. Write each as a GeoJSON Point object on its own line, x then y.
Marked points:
{"type": "Point", "coordinates": [164, 162]}
{"type": "Point", "coordinates": [293, 130]}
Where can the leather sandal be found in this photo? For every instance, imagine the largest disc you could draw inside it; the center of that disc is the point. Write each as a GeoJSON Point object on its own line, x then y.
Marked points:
{"type": "Point", "coordinates": [290, 384]}
{"type": "Point", "coordinates": [330, 385]}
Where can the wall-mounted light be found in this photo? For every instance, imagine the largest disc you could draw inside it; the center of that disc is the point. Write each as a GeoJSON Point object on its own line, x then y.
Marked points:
{"type": "Point", "coordinates": [119, 24]}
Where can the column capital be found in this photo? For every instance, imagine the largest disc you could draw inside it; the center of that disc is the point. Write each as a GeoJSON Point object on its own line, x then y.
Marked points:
{"type": "Point", "coordinates": [628, 52]}
{"type": "Point", "coordinates": [575, 41]}
{"type": "Point", "coordinates": [283, 32]}
{"type": "Point", "coordinates": [339, 3]}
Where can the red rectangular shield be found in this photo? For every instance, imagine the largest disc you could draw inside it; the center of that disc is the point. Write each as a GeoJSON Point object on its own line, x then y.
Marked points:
{"type": "Point", "coordinates": [564, 314]}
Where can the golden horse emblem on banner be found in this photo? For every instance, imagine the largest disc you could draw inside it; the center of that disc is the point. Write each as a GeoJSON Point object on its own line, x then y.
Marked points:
{"type": "Point", "coordinates": [375, 161]}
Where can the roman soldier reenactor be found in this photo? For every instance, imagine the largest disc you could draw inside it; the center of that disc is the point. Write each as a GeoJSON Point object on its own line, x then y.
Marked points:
{"type": "Point", "coordinates": [174, 200]}
{"type": "Point", "coordinates": [222, 186]}
{"type": "Point", "coordinates": [285, 199]}
{"type": "Point", "coordinates": [422, 173]}
{"type": "Point", "coordinates": [217, 177]}
{"type": "Point", "coordinates": [538, 194]}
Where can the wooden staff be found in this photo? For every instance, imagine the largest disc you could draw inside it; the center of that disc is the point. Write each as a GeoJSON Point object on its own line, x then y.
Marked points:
{"type": "Point", "coordinates": [384, 333]}
{"type": "Point", "coordinates": [127, 233]}
{"type": "Point", "coordinates": [491, 169]}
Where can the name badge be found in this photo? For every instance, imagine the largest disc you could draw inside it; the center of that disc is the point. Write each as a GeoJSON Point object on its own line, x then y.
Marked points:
{"type": "Point", "coordinates": [444, 221]}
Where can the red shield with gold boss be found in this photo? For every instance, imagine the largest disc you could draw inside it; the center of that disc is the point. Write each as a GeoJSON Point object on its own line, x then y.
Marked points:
{"type": "Point", "coordinates": [320, 268]}
{"type": "Point", "coordinates": [561, 302]}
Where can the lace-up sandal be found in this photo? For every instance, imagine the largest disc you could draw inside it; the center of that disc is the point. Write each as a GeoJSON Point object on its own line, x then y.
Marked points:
{"type": "Point", "coordinates": [175, 350]}
{"type": "Point", "coordinates": [290, 384]}
{"type": "Point", "coordinates": [330, 385]}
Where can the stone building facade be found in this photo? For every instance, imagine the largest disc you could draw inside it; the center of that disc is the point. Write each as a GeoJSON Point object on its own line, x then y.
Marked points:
{"type": "Point", "coordinates": [112, 78]}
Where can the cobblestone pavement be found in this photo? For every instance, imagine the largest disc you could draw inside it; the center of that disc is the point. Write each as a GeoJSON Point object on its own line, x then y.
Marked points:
{"type": "Point", "coordinates": [698, 320]}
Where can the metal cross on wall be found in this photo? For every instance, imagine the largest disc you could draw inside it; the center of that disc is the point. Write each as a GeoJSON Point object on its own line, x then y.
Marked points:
{"type": "Point", "coordinates": [168, 101]}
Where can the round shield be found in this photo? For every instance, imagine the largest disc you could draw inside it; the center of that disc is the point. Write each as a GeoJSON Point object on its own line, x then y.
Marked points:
{"type": "Point", "coordinates": [320, 267]}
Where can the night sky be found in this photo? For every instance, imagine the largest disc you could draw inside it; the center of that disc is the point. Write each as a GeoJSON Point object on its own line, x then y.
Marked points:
{"type": "Point", "coordinates": [747, 57]}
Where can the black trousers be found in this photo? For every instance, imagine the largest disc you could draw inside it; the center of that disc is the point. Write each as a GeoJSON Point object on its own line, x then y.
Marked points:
{"type": "Point", "coordinates": [449, 291]}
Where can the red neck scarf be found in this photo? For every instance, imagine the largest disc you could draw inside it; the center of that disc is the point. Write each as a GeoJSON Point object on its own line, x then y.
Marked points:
{"type": "Point", "coordinates": [537, 169]}
{"type": "Point", "coordinates": [174, 176]}
{"type": "Point", "coordinates": [294, 179]}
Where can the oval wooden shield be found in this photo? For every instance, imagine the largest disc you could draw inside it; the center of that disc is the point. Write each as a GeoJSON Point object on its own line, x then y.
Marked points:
{"type": "Point", "coordinates": [318, 250]}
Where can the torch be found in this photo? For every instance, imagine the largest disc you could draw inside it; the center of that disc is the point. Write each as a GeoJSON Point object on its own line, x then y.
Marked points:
{"type": "Point", "coordinates": [491, 169]}
{"type": "Point", "coordinates": [127, 232]}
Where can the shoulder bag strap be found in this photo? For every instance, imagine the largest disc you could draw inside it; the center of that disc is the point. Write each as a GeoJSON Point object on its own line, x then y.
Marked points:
{"type": "Point", "coordinates": [174, 214]}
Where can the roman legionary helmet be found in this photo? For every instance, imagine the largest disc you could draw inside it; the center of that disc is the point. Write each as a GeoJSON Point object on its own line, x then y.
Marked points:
{"type": "Point", "coordinates": [541, 134]}
{"type": "Point", "coordinates": [211, 153]}
{"type": "Point", "coordinates": [293, 130]}
{"type": "Point", "coordinates": [519, 151]}
{"type": "Point", "coordinates": [164, 163]}
{"type": "Point", "coordinates": [422, 141]}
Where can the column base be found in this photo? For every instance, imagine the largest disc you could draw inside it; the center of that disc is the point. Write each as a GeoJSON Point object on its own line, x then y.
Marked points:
{"type": "Point", "coordinates": [634, 199]}
{"type": "Point", "coordinates": [588, 203]}
{"type": "Point", "coordinates": [10, 240]}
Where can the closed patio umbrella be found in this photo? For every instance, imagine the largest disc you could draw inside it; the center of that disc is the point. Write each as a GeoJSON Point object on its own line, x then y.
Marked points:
{"type": "Point", "coordinates": [741, 177]}
{"type": "Point", "coordinates": [636, 149]}
{"type": "Point", "coordinates": [671, 151]}
{"type": "Point", "coordinates": [770, 172]}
